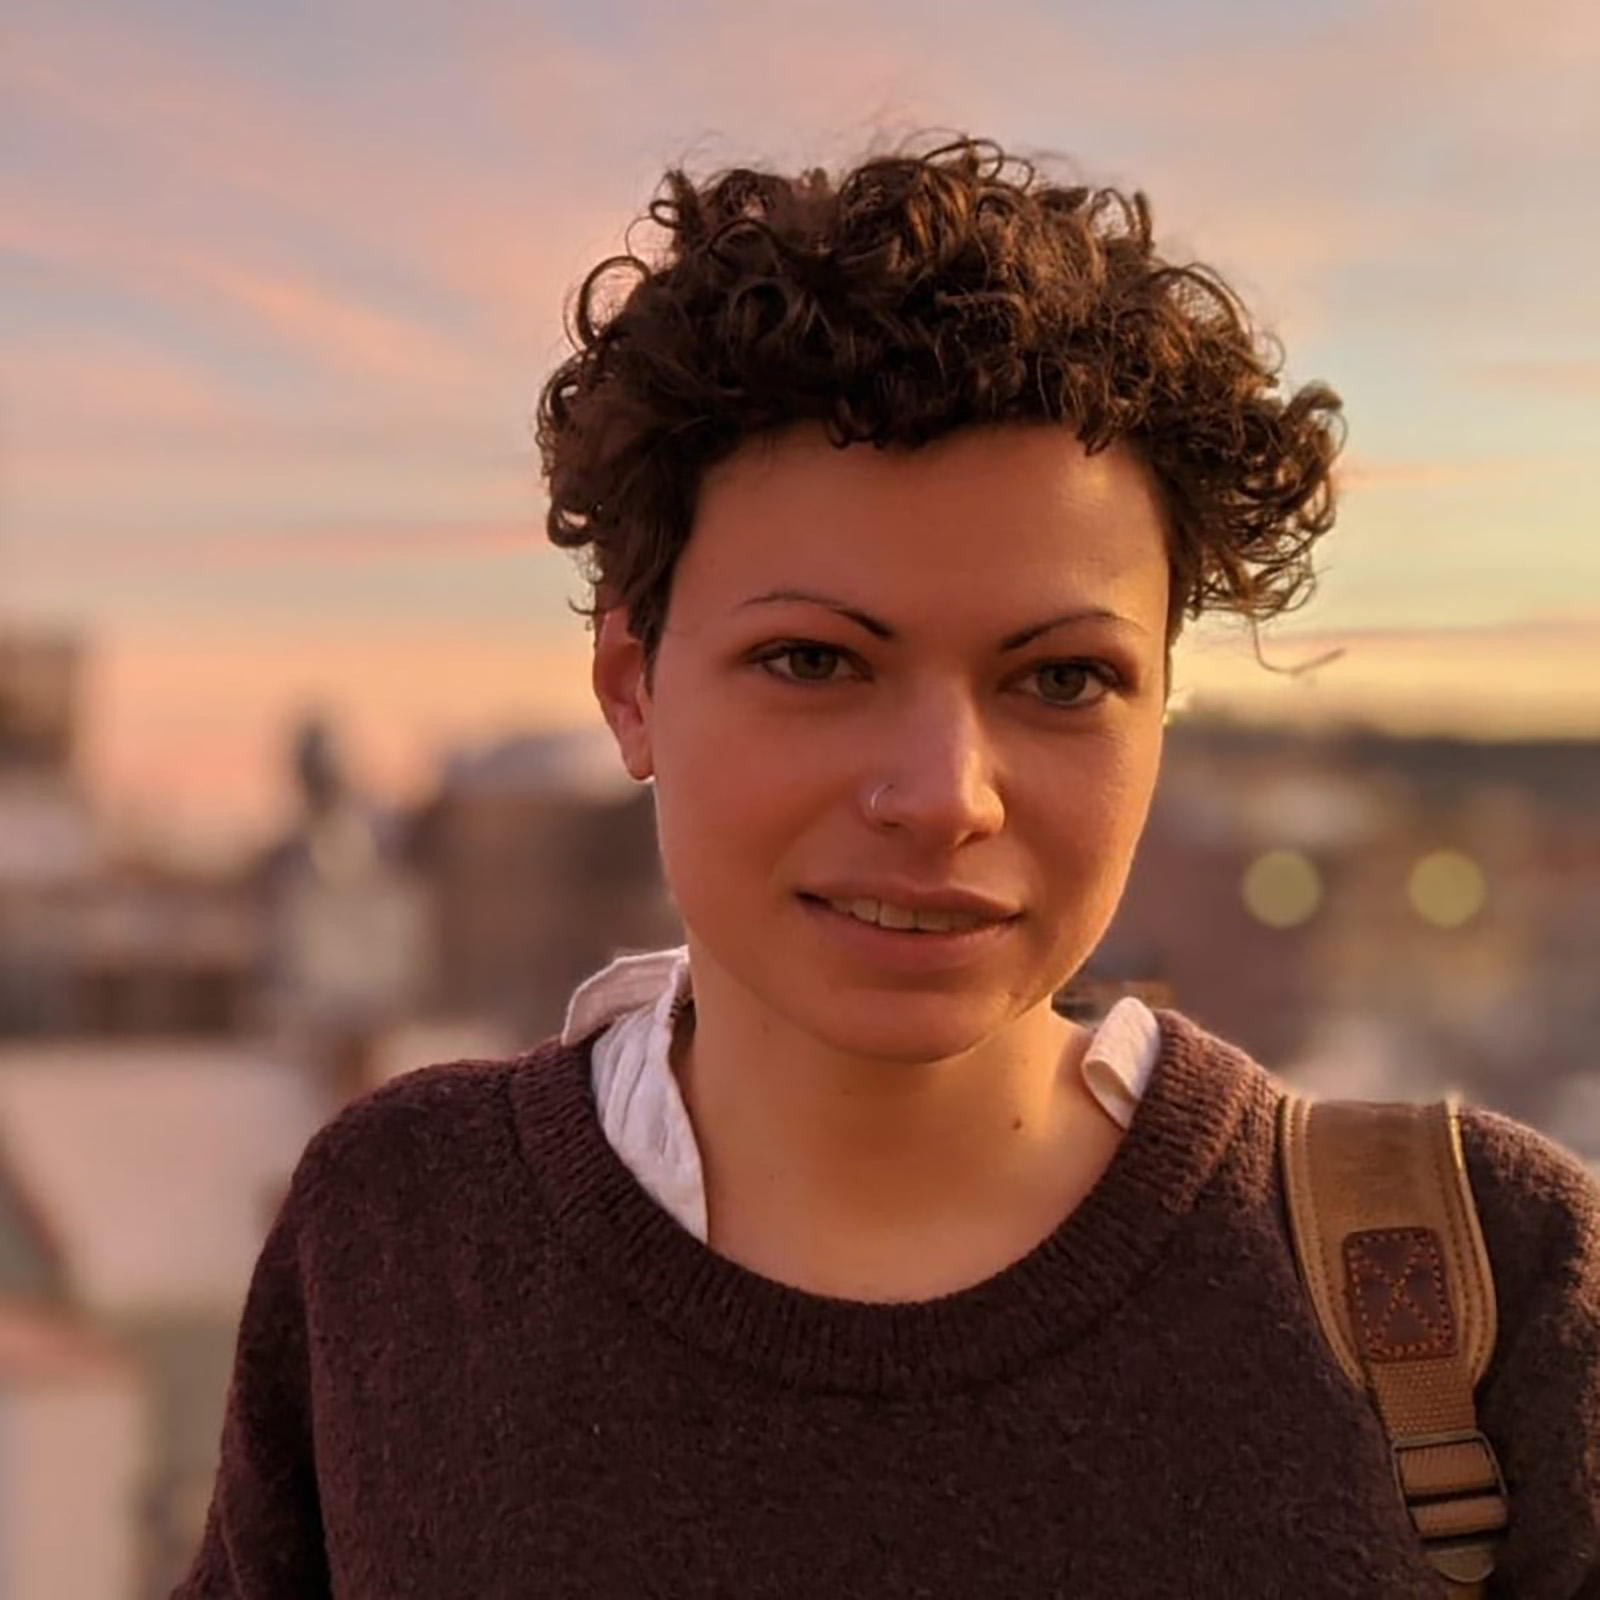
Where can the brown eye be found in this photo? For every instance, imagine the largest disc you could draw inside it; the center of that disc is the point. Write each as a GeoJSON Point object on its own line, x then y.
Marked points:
{"type": "Point", "coordinates": [1071, 683]}
{"type": "Point", "coordinates": [803, 663]}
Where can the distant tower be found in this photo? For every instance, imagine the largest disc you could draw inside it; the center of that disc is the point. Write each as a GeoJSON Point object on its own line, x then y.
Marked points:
{"type": "Point", "coordinates": [318, 766]}
{"type": "Point", "coordinates": [40, 681]}
{"type": "Point", "coordinates": [349, 921]}
{"type": "Point", "coordinates": [49, 841]}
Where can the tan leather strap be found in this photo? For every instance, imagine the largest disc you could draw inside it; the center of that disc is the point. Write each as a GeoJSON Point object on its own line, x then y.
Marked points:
{"type": "Point", "coordinates": [1387, 1238]}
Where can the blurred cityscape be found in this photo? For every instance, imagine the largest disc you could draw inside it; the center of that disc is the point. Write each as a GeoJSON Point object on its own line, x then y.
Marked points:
{"type": "Point", "coordinates": [1368, 915]}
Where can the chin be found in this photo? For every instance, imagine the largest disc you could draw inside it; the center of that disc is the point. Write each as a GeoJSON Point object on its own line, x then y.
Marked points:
{"type": "Point", "coordinates": [908, 1030]}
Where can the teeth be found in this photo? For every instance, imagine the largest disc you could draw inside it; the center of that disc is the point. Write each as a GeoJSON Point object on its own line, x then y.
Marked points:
{"type": "Point", "coordinates": [946, 921]}
{"type": "Point", "coordinates": [883, 915]}
{"type": "Point", "coordinates": [886, 916]}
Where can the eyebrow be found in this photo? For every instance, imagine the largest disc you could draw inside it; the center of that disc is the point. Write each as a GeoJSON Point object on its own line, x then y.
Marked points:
{"type": "Point", "coordinates": [881, 630]}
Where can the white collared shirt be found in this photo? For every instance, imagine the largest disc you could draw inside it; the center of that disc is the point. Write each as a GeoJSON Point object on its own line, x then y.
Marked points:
{"type": "Point", "coordinates": [637, 999]}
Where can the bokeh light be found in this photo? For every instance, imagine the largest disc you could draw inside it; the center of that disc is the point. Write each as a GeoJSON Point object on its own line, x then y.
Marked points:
{"type": "Point", "coordinates": [1447, 888]}
{"type": "Point", "coordinates": [1282, 888]}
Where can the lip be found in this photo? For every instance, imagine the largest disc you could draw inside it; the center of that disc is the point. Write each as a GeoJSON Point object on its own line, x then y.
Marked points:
{"type": "Point", "coordinates": [965, 901]}
{"type": "Point", "coordinates": [904, 951]}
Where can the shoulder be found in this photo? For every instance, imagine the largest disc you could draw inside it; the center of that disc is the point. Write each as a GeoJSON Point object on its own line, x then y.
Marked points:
{"type": "Point", "coordinates": [1539, 1208]}
{"type": "Point", "coordinates": [1540, 1400]}
{"type": "Point", "coordinates": [421, 1131]}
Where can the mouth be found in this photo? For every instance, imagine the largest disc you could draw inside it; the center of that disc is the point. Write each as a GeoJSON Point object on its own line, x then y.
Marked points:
{"type": "Point", "coordinates": [907, 919]}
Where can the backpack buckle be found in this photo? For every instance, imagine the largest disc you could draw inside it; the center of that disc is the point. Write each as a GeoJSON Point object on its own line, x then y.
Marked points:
{"type": "Point", "coordinates": [1456, 1495]}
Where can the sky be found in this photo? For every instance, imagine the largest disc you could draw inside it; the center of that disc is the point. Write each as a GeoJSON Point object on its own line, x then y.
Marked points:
{"type": "Point", "coordinates": [279, 285]}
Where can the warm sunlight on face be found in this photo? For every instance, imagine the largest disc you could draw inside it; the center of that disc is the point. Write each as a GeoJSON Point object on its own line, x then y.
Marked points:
{"type": "Point", "coordinates": [978, 625]}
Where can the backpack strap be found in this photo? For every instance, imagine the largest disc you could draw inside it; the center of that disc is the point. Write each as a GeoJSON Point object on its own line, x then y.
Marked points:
{"type": "Point", "coordinates": [1389, 1248]}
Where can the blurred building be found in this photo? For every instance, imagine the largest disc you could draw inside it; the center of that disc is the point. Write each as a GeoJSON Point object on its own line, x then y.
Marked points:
{"type": "Point", "coordinates": [151, 1169]}
{"type": "Point", "coordinates": [149, 948]}
{"type": "Point", "coordinates": [41, 681]}
{"type": "Point", "coordinates": [540, 856]}
{"type": "Point", "coordinates": [1406, 915]}
{"type": "Point", "coordinates": [49, 845]}
{"type": "Point", "coordinates": [72, 1444]}
{"type": "Point", "coordinates": [125, 947]}
{"type": "Point", "coordinates": [344, 915]}
{"type": "Point", "coordinates": [73, 1436]}
{"type": "Point", "coordinates": [31, 1270]}
{"type": "Point", "coordinates": [90, 942]}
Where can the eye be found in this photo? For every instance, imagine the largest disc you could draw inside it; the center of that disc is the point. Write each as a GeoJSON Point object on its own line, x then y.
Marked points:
{"type": "Point", "coordinates": [1073, 684]}
{"type": "Point", "coordinates": [802, 662]}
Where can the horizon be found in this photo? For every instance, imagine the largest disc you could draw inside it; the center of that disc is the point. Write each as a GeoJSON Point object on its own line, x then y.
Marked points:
{"type": "Point", "coordinates": [398, 775]}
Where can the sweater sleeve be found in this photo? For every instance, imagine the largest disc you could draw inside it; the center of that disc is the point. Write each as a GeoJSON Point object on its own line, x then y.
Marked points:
{"type": "Point", "coordinates": [263, 1534]}
{"type": "Point", "coordinates": [1540, 1400]}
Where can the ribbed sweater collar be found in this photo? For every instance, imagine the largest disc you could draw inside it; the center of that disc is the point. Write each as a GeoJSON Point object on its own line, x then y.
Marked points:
{"type": "Point", "coordinates": [1080, 1272]}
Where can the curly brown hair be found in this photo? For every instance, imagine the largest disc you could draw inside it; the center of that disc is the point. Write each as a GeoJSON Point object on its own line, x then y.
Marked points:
{"type": "Point", "coordinates": [914, 296]}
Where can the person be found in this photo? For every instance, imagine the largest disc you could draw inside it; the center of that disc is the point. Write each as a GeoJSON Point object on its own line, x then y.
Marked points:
{"type": "Point", "coordinates": [825, 1256]}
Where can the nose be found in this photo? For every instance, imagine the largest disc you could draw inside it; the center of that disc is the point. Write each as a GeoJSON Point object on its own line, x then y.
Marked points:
{"type": "Point", "coordinates": [934, 777]}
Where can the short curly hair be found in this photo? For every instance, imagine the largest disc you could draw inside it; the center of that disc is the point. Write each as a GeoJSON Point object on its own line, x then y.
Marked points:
{"type": "Point", "coordinates": [917, 295]}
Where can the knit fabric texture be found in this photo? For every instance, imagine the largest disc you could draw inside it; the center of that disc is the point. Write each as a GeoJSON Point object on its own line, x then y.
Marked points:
{"type": "Point", "coordinates": [478, 1361]}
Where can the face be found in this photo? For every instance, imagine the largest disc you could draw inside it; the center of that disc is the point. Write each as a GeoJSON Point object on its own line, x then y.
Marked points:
{"type": "Point", "coordinates": [923, 682]}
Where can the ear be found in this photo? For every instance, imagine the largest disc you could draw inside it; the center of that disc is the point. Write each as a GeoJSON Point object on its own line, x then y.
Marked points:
{"type": "Point", "coordinates": [618, 677]}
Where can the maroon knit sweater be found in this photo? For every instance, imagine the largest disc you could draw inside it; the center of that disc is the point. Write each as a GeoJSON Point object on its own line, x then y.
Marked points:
{"type": "Point", "coordinates": [478, 1361]}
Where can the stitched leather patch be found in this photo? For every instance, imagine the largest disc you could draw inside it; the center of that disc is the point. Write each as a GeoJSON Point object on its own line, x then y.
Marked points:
{"type": "Point", "coordinates": [1397, 1292]}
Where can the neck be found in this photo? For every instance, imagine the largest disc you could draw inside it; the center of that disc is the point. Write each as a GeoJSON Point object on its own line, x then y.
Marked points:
{"type": "Point", "coordinates": [884, 1179]}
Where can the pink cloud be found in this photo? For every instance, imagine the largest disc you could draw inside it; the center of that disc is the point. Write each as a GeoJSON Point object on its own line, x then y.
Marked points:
{"type": "Point", "coordinates": [329, 325]}
{"type": "Point", "coordinates": [1580, 378]}
{"type": "Point", "coordinates": [70, 381]}
{"type": "Point", "coordinates": [289, 546]}
{"type": "Point", "coordinates": [1555, 36]}
{"type": "Point", "coordinates": [263, 146]}
{"type": "Point", "coordinates": [505, 250]}
{"type": "Point", "coordinates": [1363, 474]}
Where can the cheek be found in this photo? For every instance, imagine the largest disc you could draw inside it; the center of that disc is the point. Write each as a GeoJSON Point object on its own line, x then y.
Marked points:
{"type": "Point", "coordinates": [1131, 790]}
{"type": "Point", "coordinates": [729, 804]}
{"type": "Point", "coordinates": [1094, 817]}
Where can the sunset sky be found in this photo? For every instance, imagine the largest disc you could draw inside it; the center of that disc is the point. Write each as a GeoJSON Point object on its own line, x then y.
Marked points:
{"type": "Point", "coordinates": [279, 284]}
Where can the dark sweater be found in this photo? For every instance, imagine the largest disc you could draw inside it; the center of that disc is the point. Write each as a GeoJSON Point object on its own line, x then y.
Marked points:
{"type": "Point", "coordinates": [478, 1361]}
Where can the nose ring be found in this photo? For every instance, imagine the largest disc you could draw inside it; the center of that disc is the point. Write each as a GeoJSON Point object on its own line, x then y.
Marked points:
{"type": "Point", "coordinates": [872, 803]}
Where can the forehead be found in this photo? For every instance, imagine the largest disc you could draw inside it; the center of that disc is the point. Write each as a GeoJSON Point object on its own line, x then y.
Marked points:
{"type": "Point", "coordinates": [986, 513]}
